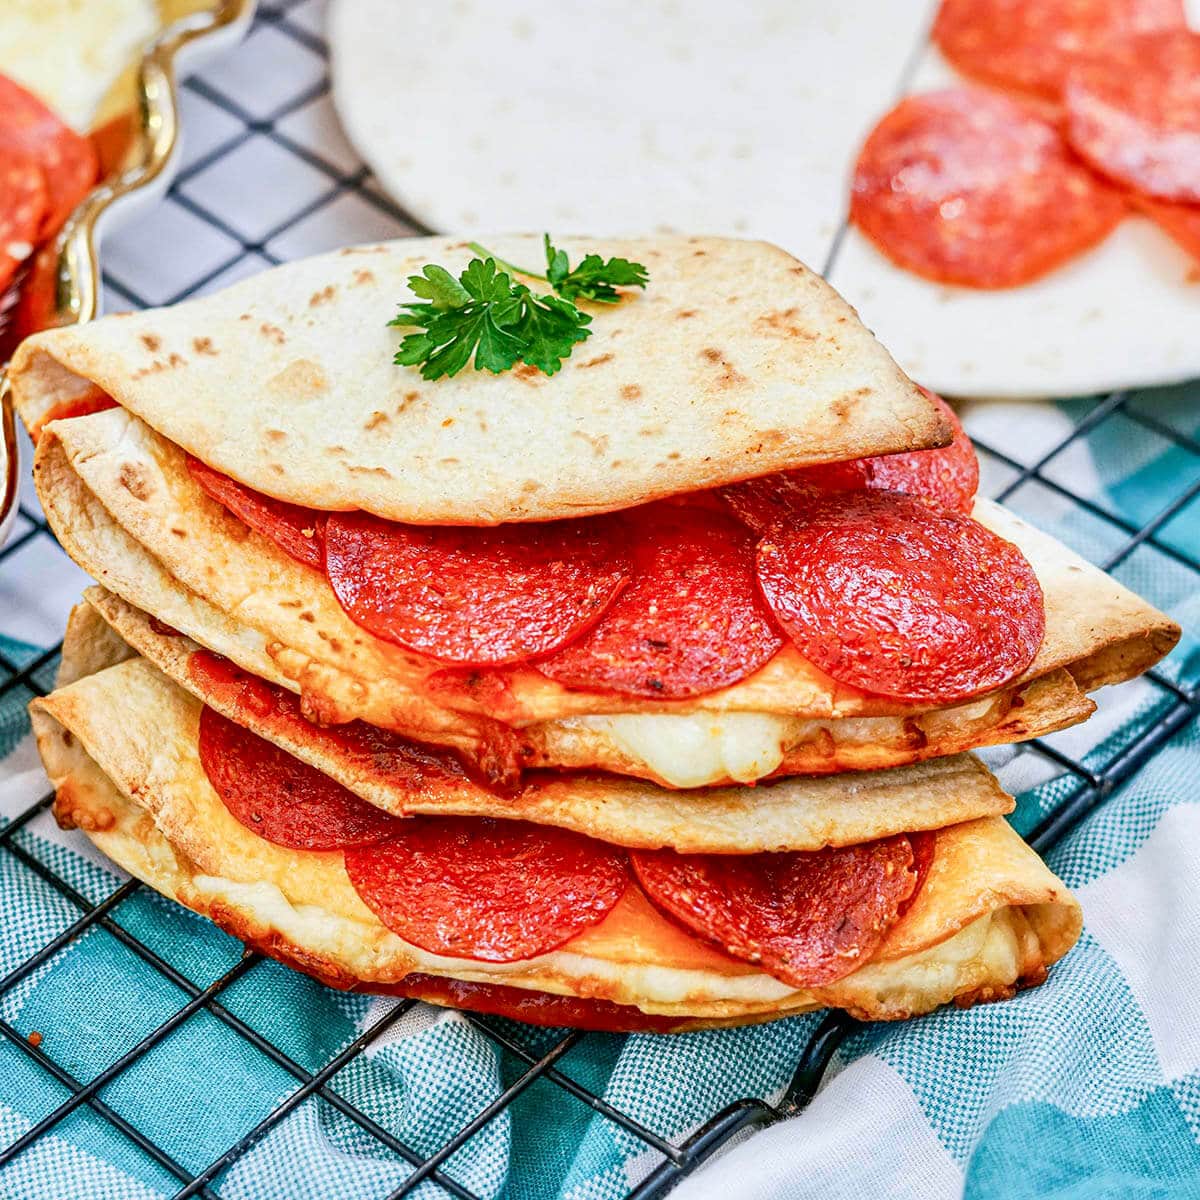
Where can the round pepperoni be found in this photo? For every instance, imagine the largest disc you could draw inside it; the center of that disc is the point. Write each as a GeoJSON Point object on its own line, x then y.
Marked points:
{"type": "Point", "coordinates": [1179, 221]}
{"type": "Point", "coordinates": [281, 798]}
{"type": "Point", "coordinates": [890, 596]}
{"type": "Point", "coordinates": [492, 891]}
{"type": "Point", "coordinates": [1134, 113]}
{"type": "Point", "coordinates": [296, 530]}
{"type": "Point", "coordinates": [524, 1004]}
{"type": "Point", "coordinates": [1032, 44]}
{"type": "Point", "coordinates": [475, 597]}
{"type": "Point", "coordinates": [67, 160]}
{"type": "Point", "coordinates": [22, 207]}
{"type": "Point", "coordinates": [944, 478]}
{"type": "Point", "coordinates": [808, 918]}
{"type": "Point", "coordinates": [690, 622]}
{"type": "Point", "coordinates": [966, 187]}
{"type": "Point", "coordinates": [366, 750]}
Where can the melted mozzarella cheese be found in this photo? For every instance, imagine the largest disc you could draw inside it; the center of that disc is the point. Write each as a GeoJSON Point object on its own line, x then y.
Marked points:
{"type": "Point", "coordinates": [985, 951]}
{"type": "Point", "coordinates": [71, 52]}
{"type": "Point", "coordinates": [694, 749]}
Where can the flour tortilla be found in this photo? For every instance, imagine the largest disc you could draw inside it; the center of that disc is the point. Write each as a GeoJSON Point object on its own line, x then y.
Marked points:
{"type": "Point", "coordinates": [736, 361]}
{"type": "Point", "coordinates": [176, 554]}
{"type": "Point", "coordinates": [989, 918]}
{"type": "Point", "coordinates": [741, 119]}
{"type": "Point", "coordinates": [791, 814]}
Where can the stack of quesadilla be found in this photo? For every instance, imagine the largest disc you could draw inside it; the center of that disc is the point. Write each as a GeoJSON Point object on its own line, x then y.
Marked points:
{"type": "Point", "coordinates": [636, 695]}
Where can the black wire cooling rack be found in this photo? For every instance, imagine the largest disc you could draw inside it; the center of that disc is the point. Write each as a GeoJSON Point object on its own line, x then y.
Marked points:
{"type": "Point", "coordinates": [288, 128]}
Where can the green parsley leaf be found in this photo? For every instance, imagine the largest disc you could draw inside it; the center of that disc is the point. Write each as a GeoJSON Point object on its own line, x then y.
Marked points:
{"type": "Point", "coordinates": [550, 328]}
{"type": "Point", "coordinates": [438, 285]}
{"type": "Point", "coordinates": [594, 279]}
{"type": "Point", "coordinates": [483, 316]}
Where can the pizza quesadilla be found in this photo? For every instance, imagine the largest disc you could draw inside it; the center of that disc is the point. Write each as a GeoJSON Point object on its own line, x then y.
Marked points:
{"type": "Point", "coordinates": [771, 366]}
{"type": "Point", "coordinates": [287, 859]}
{"type": "Point", "coordinates": [441, 663]}
{"type": "Point", "coordinates": [407, 778]}
{"type": "Point", "coordinates": [123, 501]}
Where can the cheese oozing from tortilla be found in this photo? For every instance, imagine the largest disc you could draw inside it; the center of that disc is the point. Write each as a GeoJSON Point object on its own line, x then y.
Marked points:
{"type": "Point", "coordinates": [986, 948]}
{"type": "Point", "coordinates": [691, 750]}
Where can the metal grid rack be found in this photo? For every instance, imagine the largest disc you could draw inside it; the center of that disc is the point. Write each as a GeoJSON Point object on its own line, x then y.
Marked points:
{"type": "Point", "coordinates": [298, 132]}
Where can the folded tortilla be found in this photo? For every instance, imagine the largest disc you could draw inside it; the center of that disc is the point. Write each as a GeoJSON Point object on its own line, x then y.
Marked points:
{"type": "Point", "coordinates": [989, 918]}
{"type": "Point", "coordinates": [121, 501]}
{"type": "Point", "coordinates": [798, 813]}
{"type": "Point", "coordinates": [735, 361]}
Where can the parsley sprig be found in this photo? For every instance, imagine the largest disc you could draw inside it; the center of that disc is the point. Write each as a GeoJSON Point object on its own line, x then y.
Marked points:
{"type": "Point", "coordinates": [485, 316]}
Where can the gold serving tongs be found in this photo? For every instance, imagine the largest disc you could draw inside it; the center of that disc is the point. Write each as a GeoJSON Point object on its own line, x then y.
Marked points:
{"type": "Point", "coordinates": [140, 157]}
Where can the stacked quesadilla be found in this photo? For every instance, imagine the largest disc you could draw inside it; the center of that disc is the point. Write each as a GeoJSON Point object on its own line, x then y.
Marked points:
{"type": "Point", "coordinates": [635, 695]}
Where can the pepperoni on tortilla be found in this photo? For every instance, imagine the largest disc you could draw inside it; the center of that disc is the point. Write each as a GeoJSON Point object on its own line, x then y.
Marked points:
{"type": "Point", "coordinates": [296, 530]}
{"type": "Point", "coordinates": [690, 622]}
{"type": "Point", "coordinates": [491, 891]}
{"type": "Point", "coordinates": [966, 187]}
{"type": "Point", "coordinates": [890, 596]}
{"type": "Point", "coordinates": [22, 208]}
{"type": "Point", "coordinates": [68, 161]}
{"type": "Point", "coordinates": [281, 798]}
{"type": "Point", "coordinates": [1134, 114]}
{"type": "Point", "coordinates": [1179, 221]}
{"type": "Point", "coordinates": [1032, 44]}
{"type": "Point", "coordinates": [524, 1004]}
{"type": "Point", "coordinates": [475, 597]}
{"type": "Point", "coordinates": [944, 478]}
{"type": "Point", "coordinates": [366, 750]}
{"type": "Point", "coordinates": [808, 917]}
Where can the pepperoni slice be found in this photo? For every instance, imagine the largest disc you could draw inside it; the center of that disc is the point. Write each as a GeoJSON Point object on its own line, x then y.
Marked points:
{"type": "Point", "coordinates": [296, 530]}
{"type": "Point", "coordinates": [22, 209]}
{"type": "Point", "coordinates": [944, 478]}
{"type": "Point", "coordinates": [534, 1008]}
{"type": "Point", "coordinates": [367, 750]}
{"type": "Point", "coordinates": [690, 622]}
{"type": "Point", "coordinates": [1134, 114]}
{"type": "Point", "coordinates": [890, 596]}
{"type": "Point", "coordinates": [492, 891]}
{"type": "Point", "coordinates": [281, 798]}
{"type": "Point", "coordinates": [966, 187]}
{"type": "Point", "coordinates": [1179, 221]}
{"type": "Point", "coordinates": [475, 597]}
{"type": "Point", "coordinates": [1032, 44]}
{"type": "Point", "coordinates": [808, 917]}
{"type": "Point", "coordinates": [67, 160]}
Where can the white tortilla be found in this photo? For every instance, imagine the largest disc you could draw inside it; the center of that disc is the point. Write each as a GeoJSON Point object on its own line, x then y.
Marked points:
{"type": "Point", "coordinates": [736, 361]}
{"type": "Point", "coordinates": [742, 119]}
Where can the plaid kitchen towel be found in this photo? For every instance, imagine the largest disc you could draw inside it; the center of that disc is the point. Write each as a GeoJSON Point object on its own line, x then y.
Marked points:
{"type": "Point", "coordinates": [1086, 1087]}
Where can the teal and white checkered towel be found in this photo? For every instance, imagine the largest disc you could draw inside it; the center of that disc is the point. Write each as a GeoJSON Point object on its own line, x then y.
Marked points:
{"type": "Point", "coordinates": [1086, 1087]}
